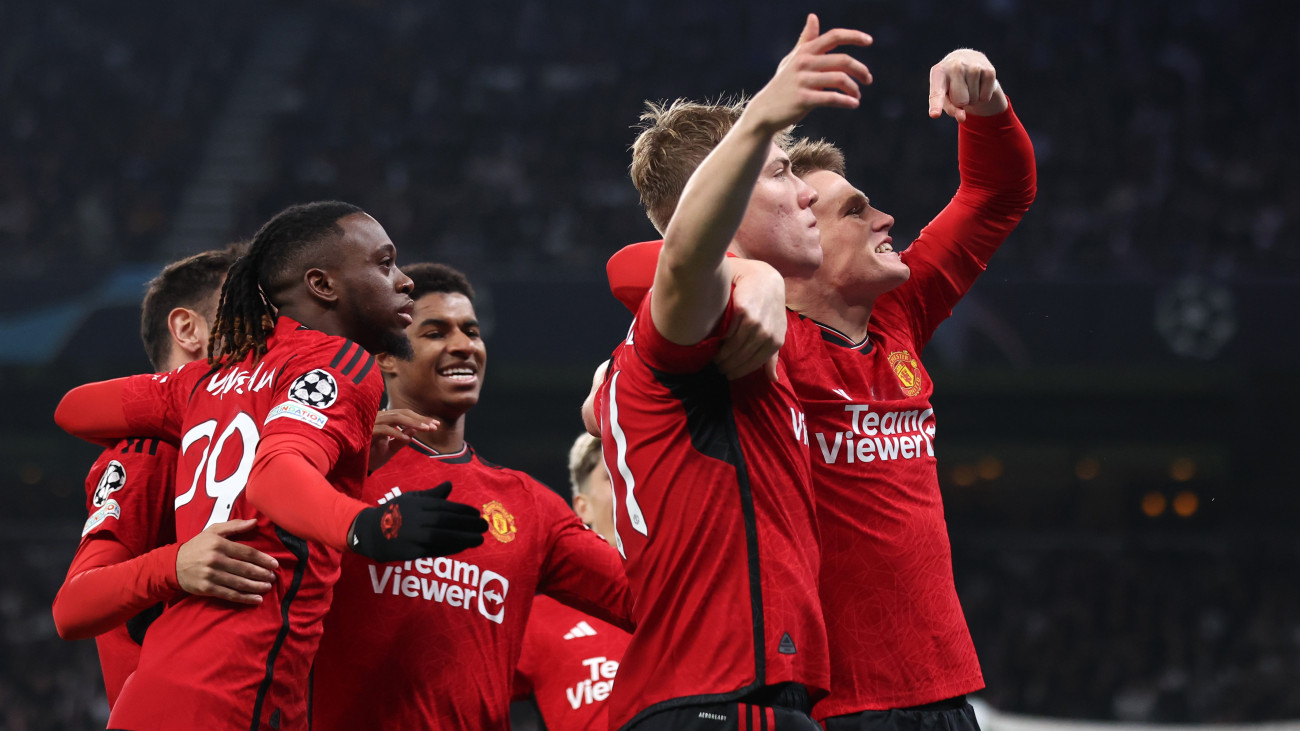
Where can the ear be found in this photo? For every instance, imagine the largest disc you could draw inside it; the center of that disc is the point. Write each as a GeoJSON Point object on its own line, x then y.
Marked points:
{"type": "Point", "coordinates": [387, 364]}
{"type": "Point", "coordinates": [189, 332]}
{"type": "Point", "coordinates": [582, 507]}
{"type": "Point", "coordinates": [321, 285]}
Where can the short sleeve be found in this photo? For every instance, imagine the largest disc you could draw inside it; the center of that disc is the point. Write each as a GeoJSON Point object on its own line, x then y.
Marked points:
{"type": "Point", "coordinates": [330, 395]}
{"type": "Point", "coordinates": [662, 354]}
{"type": "Point", "coordinates": [129, 495]}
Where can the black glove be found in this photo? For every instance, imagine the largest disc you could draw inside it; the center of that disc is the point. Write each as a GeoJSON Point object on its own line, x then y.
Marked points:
{"type": "Point", "coordinates": [416, 525]}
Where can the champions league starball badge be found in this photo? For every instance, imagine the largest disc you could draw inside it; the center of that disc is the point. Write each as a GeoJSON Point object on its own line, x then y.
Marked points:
{"type": "Point", "coordinates": [316, 389]}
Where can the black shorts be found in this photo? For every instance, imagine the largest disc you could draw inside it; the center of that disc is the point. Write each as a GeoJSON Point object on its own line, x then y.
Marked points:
{"type": "Point", "coordinates": [772, 709]}
{"type": "Point", "coordinates": [953, 714]}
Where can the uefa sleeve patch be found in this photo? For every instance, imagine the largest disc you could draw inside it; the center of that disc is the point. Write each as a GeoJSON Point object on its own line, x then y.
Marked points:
{"type": "Point", "coordinates": [316, 389]}
{"type": "Point", "coordinates": [113, 479]}
{"type": "Point", "coordinates": [293, 410]}
{"type": "Point", "coordinates": [110, 509]}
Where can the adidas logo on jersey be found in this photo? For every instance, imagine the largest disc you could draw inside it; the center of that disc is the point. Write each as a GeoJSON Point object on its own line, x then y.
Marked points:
{"type": "Point", "coordinates": [582, 629]}
{"type": "Point", "coordinates": [390, 495]}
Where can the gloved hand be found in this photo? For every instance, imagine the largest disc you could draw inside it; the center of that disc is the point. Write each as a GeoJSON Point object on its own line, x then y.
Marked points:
{"type": "Point", "coordinates": [415, 525]}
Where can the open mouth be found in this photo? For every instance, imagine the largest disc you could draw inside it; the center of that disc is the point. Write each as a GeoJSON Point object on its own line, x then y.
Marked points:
{"type": "Point", "coordinates": [460, 373]}
{"type": "Point", "coordinates": [886, 246]}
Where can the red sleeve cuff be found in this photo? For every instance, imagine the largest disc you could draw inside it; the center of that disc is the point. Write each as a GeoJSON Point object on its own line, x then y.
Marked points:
{"type": "Point", "coordinates": [107, 586]}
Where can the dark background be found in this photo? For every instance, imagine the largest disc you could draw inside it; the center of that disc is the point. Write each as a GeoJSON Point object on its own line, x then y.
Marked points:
{"type": "Point", "coordinates": [1115, 397]}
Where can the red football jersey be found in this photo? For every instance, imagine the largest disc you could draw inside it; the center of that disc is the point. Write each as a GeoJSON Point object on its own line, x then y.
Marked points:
{"type": "Point", "coordinates": [714, 513]}
{"type": "Point", "coordinates": [128, 500]}
{"type": "Point", "coordinates": [433, 643]}
{"type": "Point", "coordinates": [208, 663]}
{"type": "Point", "coordinates": [568, 666]}
{"type": "Point", "coordinates": [898, 635]}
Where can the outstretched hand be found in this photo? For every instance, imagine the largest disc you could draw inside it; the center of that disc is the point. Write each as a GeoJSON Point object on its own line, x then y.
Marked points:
{"type": "Point", "coordinates": [965, 82]}
{"type": "Point", "coordinates": [810, 76]}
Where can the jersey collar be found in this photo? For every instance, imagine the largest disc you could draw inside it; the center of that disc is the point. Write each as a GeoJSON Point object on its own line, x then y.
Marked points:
{"type": "Point", "coordinates": [460, 456]}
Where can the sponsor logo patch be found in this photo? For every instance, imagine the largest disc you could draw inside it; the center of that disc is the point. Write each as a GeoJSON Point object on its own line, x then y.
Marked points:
{"type": "Point", "coordinates": [110, 509]}
{"type": "Point", "coordinates": [292, 410]}
{"type": "Point", "coordinates": [907, 370]}
{"type": "Point", "coordinates": [500, 522]}
{"type": "Point", "coordinates": [113, 479]}
{"type": "Point", "coordinates": [316, 389]}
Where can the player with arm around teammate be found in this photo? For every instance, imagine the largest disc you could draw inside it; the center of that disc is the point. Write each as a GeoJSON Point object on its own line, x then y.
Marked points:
{"type": "Point", "coordinates": [433, 643]}
{"type": "Point", "coordinates": [698, 461]}
{"type": "Point", "coordinates": [275, 427]}
{"type": "Point", "coordinates": [128, 562]}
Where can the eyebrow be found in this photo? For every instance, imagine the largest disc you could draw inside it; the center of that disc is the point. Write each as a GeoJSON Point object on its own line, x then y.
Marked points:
{"type": "Point", "coordinates": [438, 322]}
{"type": "Point", "coordinates": [855, 198]}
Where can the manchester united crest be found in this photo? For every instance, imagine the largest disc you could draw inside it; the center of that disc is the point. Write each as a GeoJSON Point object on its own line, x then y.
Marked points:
{"type": "Point", "coordinates": [501, 524]}
{"type": "Point", "coordinates": [907, 370]}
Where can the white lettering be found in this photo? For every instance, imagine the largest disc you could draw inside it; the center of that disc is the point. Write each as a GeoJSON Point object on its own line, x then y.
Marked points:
{"type": "Point", "coordinates": [906, 447]}
{"type": "Point", "coordinates": [829, 456]}
{"type": "Point", "coordinates": [865, 449]}
{"type": "Point", "coordinates": [854, 410]}
{"type": "Point", "coordinates": [888, 422]}
{"type": "Point", "coordinates": [411, 586]}
{"type": "Point", "coordinates": [887, 448]}
{"type": "Point", "coordinates": [455, 595]}
{"type": "Point", "coordinates": [377, 583]}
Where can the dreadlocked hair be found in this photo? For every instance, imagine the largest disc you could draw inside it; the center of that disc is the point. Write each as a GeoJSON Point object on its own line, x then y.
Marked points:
{"type": "Point", "coordinates": [247, 312]}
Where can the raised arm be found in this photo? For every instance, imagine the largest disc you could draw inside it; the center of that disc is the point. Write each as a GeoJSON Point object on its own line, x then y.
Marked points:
{"type": "Point", "coordinates": [691, 283]}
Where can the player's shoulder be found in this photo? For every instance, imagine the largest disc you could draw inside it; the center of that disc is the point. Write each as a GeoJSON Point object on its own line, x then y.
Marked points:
{"type": "Point", "coordinates": [143, 453]}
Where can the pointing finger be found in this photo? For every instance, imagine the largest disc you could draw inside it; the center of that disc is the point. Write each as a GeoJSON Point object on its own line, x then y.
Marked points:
{"type": "Point", "coordinates": [810, 29]}
{"type": "Point", "coordinates": [938, 91]}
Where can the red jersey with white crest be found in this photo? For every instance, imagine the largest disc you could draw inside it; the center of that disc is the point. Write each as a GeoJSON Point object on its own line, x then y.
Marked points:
{"type": "Point", "coordinates": [129, 500]}
{"type": "Point", "coordinates": [568, 666]}
{"type": "Point", "coordinates": [898, 634]}
{"type": "Point", "coordinates": [714, 513]}
{"type": "Point", "coordinates": [212, 664]}
{"type": "Point", "coordinates": [433, 643]}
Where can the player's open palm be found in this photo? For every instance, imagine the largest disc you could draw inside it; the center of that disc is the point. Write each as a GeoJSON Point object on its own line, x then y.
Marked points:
{"type": "Point", "coordinates": [964, 81]}
{"type": "Point", "coordinates": [211, 564]}
{"type": "Point", "coordinates": [811, 76]}
{"type": "Point", "coordinates": [415, 525]}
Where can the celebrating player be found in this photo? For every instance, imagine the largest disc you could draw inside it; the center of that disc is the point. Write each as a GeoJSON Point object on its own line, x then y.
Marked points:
{"type": "Point", "coordinates": [853, 354]}
{"type": "Point", "coordinates": [569, 658]}
{"type": "Point", "coordinates": [128, 562]}
{"type": "Point", "coordinates": [855, 361]}
{"type": "Point", "coordinates": [277, 429]}
{"type": "Point", "coordinates": [713, 499]}
{"type": "Point", "coordinates": [434, 643]}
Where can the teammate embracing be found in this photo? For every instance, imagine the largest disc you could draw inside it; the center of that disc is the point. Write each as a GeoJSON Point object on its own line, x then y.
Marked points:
{"type": "Point", "coordinates": [713, 501]}
{"type": "Point", "coordinates": [433, 643]}
{"type": "Point", "coordinates": [276, 428]}
{"type": "Point", "coordinates": [901, 654]}
{"type": "Point", "coordinates": [128, 562]}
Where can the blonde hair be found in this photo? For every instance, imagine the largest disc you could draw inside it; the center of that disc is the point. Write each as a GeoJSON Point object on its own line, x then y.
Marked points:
{"type": "Point", "coordinates": [584, 458]}
{"type": "Point", "coordinates": [808, 156]}
{"type": "Point", "coordinates": [673, 140]}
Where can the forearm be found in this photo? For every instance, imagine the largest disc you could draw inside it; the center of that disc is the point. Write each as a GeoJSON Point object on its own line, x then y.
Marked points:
{"type": "Point", "coordinates": [288, 485]}
{"type": "Point", "coordinates": [106, 587]}
{"type": "Point", "coordinates": [996, 160]}
{"type": "Point", "coordinates": [94, 412]}
{"type": "Point", "coordinates": [691, 285]}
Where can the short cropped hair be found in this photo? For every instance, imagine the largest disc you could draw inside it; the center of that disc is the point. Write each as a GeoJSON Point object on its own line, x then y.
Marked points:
{"type": "Point", "coordinates": [584, 459]}
{"type": "Point", "coordinates": [673, 140]}
{"type": "Point", "coordinates": [192, 283]}
{"type": "Point", "coordinates": [437, 279]}
{"type": "Point", "coordinates": [809, 156]}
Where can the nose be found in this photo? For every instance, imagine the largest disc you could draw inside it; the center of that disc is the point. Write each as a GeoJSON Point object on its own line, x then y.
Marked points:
{"type": "Point", "coordinates": [404, 283]}
{"type": "Point", "coordinates": [883, 221]}
{"type": "Point", "coordinates": [807, 194]}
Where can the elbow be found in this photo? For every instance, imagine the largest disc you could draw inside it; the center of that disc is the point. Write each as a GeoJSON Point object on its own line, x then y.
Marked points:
{"type": "Point", "coordinates": [66, 623]}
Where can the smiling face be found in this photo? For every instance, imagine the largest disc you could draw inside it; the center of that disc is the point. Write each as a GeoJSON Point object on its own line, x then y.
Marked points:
{"type": "Point", "coordinates": [779, 226]}
{"type": "Point", "coordinates": [859, 260]}
{"type": "Point", "coordinates": [374, 294]}
{"type": "Point", "coordinates": [444, 375]}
